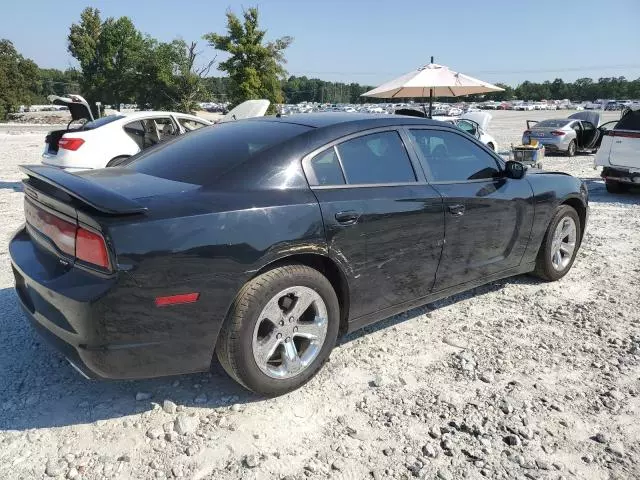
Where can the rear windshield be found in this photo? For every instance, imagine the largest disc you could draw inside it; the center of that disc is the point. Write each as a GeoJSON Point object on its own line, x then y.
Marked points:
{"type": "Point", "coordinates": [101, 121]}
{"type": "Point", "coordinates": [631, 121]}
{"type": "Point", "coordinates": [551, 123]}
{"type": "Point", "coordinates": [205, 154]}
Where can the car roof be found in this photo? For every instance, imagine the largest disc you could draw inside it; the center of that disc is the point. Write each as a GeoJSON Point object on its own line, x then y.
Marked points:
{"type": "Point", "coordinates": [157, 113]}
{"type": "Point", "coordinates": [354, 120]}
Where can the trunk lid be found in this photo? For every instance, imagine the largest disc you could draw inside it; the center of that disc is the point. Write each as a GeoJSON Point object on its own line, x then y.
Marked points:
{"type": "Point", "coordinates": [78, 106]}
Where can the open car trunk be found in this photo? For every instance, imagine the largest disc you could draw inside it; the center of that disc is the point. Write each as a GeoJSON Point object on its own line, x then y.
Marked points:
{"type": "Point", "coordinates": [248, 109]}
{"type": "Point", "coordinates": [80, 112]}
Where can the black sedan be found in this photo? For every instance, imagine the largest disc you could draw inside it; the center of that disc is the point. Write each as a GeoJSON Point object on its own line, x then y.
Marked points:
{"type": "Point", "coordinates": [260, 241]}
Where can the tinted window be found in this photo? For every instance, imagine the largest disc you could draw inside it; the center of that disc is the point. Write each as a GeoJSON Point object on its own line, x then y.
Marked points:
{"type": "Point", "coordinates": [376, 158]}
{"type": "Point", "coordinates": [326, 168]}
{"type": "Point", "coordinates": [206, 154]}
{"type": "Point", "coordinates": [551, 123]}
{"type": "Point", "coordinates": [101, 121]}
{"type": "Point", "coordinates": [136, 131]}
{"type": "Point", "coordinates": [631, 121]}
{"type": "Point", "coordinates": [450, 157]}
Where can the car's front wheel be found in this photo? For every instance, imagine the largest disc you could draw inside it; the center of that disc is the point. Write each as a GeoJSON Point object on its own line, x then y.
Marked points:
{"type": "Point", "coordinates": [559, 245]}
{"type": "Point", "coordinates": [280, 330]}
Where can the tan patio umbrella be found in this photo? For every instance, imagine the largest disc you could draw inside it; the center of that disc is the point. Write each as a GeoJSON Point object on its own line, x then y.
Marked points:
{"type": "Point", "coordinates": [432, 80]}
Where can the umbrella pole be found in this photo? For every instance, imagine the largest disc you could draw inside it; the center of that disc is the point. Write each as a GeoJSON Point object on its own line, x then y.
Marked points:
{"type": "Point", "coordinates": [430, 102]}
{"type": "Point", "coordinates": [431, 99]}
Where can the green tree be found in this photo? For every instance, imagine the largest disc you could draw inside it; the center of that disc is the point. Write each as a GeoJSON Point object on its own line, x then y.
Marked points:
{"type": "Point", "coordinates": [254, 66]}
{"type": "Point", "coordinates": [19, 78]}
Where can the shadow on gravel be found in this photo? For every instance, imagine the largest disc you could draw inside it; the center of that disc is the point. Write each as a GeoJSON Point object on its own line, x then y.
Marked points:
{"type": "Point", "coordinates": [430, 307]}
{"type": "Point", "coordinates": [39, 389]}
{"type": "Point", "coordinates": [598, 193]}
{"type": "Point", "coordinates": [15, 186]}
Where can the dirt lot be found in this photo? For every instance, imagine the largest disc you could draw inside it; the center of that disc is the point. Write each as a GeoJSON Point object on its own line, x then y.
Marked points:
{"type": "Point", "coordinates": [516, 379]}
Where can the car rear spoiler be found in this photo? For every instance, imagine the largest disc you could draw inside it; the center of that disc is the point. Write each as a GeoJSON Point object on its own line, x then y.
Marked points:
{"type": "Point", "coordinates": [84, 190]}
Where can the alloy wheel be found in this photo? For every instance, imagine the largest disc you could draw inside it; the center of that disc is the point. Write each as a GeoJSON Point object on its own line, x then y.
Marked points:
{"type": "Point", "coordinates": [290, 332]}
{"type": "Point", "coordinates": [563, 243]}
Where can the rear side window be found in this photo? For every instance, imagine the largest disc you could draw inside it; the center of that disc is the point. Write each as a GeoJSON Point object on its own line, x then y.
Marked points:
{"type": "Point", "coordinates": [631, 121]}
{"type": "Point", "coordinates": [326, 168]}
{"type": "Point", "coordinates": [376, 158]}
{"type": "Point", "coordinates": [190, 125]}
{"type": "Point", "coordinates": [205, 154]}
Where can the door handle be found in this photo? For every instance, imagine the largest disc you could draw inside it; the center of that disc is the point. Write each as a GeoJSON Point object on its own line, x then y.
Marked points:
{"type": "Point", "coordinates": [348, 217]}
{"type": "Point", "coordinates": [456, 210]}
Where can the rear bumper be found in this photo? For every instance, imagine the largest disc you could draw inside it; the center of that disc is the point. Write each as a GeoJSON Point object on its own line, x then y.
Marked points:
{"type": "Point", "coordinates": [621, 175]}
{"type": "Point", "coordinates": [100, 324]}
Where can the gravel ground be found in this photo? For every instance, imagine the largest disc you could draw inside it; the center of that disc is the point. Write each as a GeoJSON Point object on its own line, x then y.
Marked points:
{"type": "Point", "coordinates": [516, 379]}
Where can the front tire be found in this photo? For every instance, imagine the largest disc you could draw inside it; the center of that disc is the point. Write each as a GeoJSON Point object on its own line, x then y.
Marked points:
{"type": "Point", "coordinates": [571, 150]}
{"type": "Point", "coordinates": [559, 245]}
{"type": "Point", "coordinates": [280, 330]}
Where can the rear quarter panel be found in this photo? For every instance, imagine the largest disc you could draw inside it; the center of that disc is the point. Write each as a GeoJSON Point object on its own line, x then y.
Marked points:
{"type": "Point", "coordinates": [211, 243]}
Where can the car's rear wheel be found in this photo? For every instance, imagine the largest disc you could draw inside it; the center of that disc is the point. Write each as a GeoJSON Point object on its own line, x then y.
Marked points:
{"type": "Point", "coordinates": [615, 187]}
{"type": "Point", "coordinates": [117, 161]}
{"type": "Point", "coordinates": [571, 150]}
{"type": "Point", "coordinates": [280, 330]}
{"type": "Point", "coordinates": [559, 245]}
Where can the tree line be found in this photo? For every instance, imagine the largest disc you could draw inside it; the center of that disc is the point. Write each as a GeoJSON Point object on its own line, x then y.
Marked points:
{"type": "Point", "coordinates": [119, 64]}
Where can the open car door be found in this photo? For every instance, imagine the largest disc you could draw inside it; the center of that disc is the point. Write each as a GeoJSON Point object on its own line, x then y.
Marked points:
{"type": "Point", "coordinates": [469, 126]}
{"type": "Point", "coordinates": [602, 131]}
{"type": "Point", "coordinates": [531, 123]}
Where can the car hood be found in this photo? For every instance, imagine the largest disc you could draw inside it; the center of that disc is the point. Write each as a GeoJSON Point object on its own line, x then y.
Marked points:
{"type": "Point", "coordinates": [78, 106]}
{"type": "Point", "coordinates": [248, 109]}
{"type": "Point", "coordinates": [589, 116]}
{"type": "Point", "coordinates": [481, 118]}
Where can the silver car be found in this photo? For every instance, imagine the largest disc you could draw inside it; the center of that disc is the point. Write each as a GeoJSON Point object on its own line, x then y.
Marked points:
{"type": "Point", "coordinates": [579, 132]}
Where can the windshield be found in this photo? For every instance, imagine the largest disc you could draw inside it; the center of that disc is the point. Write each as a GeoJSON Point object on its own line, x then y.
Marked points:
{"type": "Point", "coordinates": [204, 155]}
{"type": "Point", "coordinates": [551, 123]}
{"type": "Point", "coordinates": [101, 121]}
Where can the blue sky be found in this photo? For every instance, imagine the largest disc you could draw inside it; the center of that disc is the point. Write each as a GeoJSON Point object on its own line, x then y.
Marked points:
{"type": "Point", "coordinates": [373, 41]}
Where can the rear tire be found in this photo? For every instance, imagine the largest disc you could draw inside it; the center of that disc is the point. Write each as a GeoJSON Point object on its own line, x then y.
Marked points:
{"type": "Point", "coordinates": [571, 150]}
{"type": "Point", "coordinates": [263, 318]}
{"type": "Point", "coordinates": [491, 146]}
{"type": "Point", "coordinates": [615, 187]}
{"type": "Point", "coordinates": [117, 161]}
{"type": "Point", "coordinates": [560, 245]}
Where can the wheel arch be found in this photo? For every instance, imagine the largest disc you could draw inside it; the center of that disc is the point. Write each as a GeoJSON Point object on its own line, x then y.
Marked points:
{"type": "Point", "coordinates": [329, 268]}
{"type": "Point", "coordinates": [578, 205]}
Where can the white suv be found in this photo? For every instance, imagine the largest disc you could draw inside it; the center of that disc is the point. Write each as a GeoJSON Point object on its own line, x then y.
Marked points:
{"type": "Point", "coordinates": [619, 152]}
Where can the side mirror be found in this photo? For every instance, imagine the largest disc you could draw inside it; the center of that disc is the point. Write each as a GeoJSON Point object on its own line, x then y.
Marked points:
{"type": "Point", "coordinates": [515, 170]}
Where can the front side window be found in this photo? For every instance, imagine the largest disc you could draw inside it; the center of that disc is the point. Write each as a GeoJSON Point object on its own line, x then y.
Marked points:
{"type": "Point", "coordinates": [450, 157]}
{"type": "Point", "coordinates": [376, 158]}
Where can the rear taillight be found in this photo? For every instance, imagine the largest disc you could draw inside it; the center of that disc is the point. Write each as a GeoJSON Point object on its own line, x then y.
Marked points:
{"type": "Point", "coordinates": [527, 132]}
{"type": "Point", "coordinates": [71, 239]}
{"type": "Point", "coordinates": [72, 144]}
{"type": "Point", "coordinates": [558, 133]}
{"type": "Point", "coordinates": [59, 231]}
{"type": "Point", "coordinates": [91, 248]}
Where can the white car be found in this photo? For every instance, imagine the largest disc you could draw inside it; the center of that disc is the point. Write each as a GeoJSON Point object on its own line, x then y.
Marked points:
{"type": "Point", "coordinates": [619, 152]}
{"type": "Point", "coordinates": [110, 140]}
{"type": "Point", "coordinates": [475, 124]}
